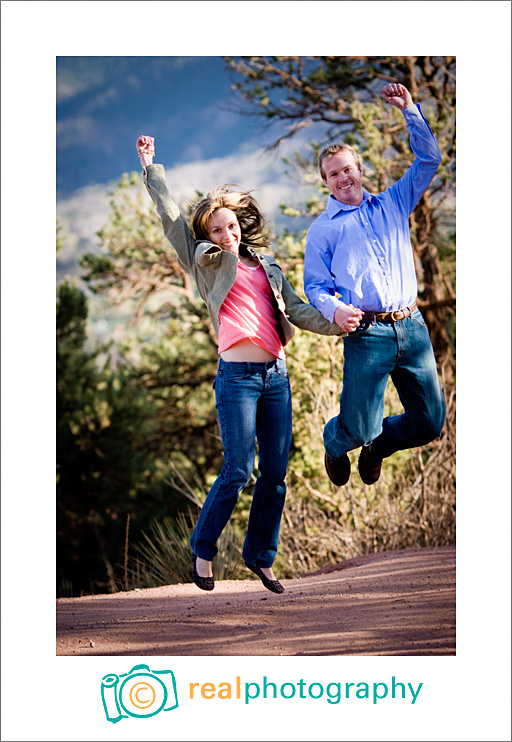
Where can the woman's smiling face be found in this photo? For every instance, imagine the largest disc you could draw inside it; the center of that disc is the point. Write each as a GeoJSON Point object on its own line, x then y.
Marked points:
{"type": "Point", "coordinates": [224, 230]}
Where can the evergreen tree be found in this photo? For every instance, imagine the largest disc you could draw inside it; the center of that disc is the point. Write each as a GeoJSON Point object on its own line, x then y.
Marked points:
{"type": "Point", "coordinates": [341, 95]}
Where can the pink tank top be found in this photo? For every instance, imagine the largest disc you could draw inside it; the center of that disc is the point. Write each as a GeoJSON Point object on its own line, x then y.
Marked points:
{"type": "Point", "coordinates": [247, 312]}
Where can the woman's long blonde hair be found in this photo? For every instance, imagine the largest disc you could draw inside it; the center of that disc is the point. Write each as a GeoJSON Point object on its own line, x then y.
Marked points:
{"type": "Point", "coordinates": [250, 217]}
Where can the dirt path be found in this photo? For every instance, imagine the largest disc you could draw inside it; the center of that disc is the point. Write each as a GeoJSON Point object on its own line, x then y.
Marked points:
{"type": "Point", "coordinates": [393, 603]}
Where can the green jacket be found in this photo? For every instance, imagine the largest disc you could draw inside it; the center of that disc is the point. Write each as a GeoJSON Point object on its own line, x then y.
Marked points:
{"type": "Point", "coordinates": [214, 270]}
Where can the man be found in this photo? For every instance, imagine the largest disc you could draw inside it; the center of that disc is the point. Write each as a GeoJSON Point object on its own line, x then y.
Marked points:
{"type": "Point", "coordinates": [359, 272]}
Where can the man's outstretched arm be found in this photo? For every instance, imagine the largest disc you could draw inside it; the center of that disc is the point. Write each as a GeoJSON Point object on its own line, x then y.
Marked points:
{"type": "Point", "coordinates": [412, 185]}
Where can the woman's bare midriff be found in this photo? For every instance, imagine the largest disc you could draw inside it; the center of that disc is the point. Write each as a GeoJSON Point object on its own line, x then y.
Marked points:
{"type": "Point", "coordinates": [246, 351]}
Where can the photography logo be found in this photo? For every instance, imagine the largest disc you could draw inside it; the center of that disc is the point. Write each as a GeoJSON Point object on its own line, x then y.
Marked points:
{"type": "Point", "coordinates": [140, 693]}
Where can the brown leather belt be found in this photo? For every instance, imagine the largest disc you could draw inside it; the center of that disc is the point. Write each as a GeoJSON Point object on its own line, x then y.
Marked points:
{"type": "Point", "coordinates": [395, 316]}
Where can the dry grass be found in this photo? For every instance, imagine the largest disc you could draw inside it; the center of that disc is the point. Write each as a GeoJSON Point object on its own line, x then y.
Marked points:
{"type": "Point", "coordinates": [412, 504]}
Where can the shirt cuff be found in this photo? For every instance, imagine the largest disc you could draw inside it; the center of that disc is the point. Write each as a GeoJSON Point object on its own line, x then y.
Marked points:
{"type": "Point", "coordinates": [327, 306]}
{"type": "Point", "coordinates": [413, 108]}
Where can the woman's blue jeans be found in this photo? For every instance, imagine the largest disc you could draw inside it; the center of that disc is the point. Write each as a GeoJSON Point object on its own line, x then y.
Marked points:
{"type": "Point", "coordinates": [253, 403]}
{"type": "Point", "coordinates": [373, 353]}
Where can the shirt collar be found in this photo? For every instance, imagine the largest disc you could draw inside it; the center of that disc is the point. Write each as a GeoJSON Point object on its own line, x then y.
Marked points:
{"type": "Point", "coordinates": [334, 206]}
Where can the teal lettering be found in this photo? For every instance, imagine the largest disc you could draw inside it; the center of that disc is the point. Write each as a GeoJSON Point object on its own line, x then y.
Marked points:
{"type": "Point", "coordinates": [347, 686]}
{"type": "Point", "coordinates": [311, 692]}
{"type": "Point", "coordinates": [266, 685]}
{"type": "Point", "coordinates": [291, 686]}
{"type": "Point", "coordinates": [301, 684]}
{"type": "Point", "coordinates": [364, 692]}
{"type": "Point", "coordinates": [414, 695]}
{"type": "Point", "coordinates": [376, 696]}
{"type": "Point", "coordinates": [395, 685]}
{"type": "Point", "coordinates": [248, 696]}
{"type": "Point", "coordinates": [336, 698]}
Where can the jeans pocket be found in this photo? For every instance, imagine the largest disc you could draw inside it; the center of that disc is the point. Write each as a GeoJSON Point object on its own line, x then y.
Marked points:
{"type": "Point", "coordinates": [234, 372]}
{"type": "Point", "coordinates": [230, 387]}
{"type": "Point", "coordinates": [361, 330]}
{"type": "Point", "coordinates": [238, 376]}
{"type": "Point", "coordinates": [418, 317]}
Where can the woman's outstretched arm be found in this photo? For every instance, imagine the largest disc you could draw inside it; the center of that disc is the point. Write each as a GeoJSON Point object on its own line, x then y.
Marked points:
{"type": "Point", "coordinates": [175, 227]}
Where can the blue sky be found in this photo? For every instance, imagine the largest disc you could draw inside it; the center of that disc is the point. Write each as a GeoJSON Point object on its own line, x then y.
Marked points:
{"type": "Point", "coordinates": [104, 103]}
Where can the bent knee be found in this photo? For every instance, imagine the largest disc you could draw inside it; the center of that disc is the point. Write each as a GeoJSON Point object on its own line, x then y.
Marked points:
{"type": "Point", "coordinates": [437, 420]}
{"type": "Point", "coordinates": [431, 428]}
{"type": "Point", "coordinates": [235, 474]}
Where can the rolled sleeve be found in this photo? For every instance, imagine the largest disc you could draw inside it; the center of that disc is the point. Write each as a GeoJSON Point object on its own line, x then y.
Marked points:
{"type": "Point", "coordinates": [318, 281]}
{"type": "Point", "coordinates": [413, 184]}
{"type": "Point", "coordinates": [175, 227]}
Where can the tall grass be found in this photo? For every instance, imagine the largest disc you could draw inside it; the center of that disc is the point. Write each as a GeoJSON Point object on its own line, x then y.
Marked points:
{"type": "Point", "coordinates": [164, 555]}
{"type": "Point", "coordinates": [412, 504]}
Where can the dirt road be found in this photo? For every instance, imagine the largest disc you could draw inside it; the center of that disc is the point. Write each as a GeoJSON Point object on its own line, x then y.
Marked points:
{"type": "Point", "coordinates": [393, 603]}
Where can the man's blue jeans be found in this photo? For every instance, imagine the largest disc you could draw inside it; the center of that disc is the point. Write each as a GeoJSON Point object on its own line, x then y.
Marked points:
{"type": "Point", "coordinates": [372, 353]}
{"type": "Point", "coordinates": [253, 403]}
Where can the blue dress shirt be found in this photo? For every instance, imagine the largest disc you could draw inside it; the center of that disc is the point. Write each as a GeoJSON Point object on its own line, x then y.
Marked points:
{"type": "Point", "coordinates": [363, 253]}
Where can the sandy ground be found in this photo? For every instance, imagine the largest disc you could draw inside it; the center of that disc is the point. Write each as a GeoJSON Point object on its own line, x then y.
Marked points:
{"type": "Point", "coordinates": [393, 603]}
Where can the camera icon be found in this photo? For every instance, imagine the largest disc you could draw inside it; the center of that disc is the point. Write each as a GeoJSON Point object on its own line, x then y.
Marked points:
{"type": "Point", "coordinates": [139, 693]}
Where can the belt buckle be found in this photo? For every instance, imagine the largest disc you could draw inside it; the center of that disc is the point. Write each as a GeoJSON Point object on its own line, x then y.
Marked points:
{"type": "Point", "coordinates": [395, 319]}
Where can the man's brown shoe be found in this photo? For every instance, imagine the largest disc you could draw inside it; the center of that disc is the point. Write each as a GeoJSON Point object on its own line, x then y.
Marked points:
{"type": "Point", "coordinates": [369, 465]}
{"type": "Point", "coordinates": [338, 469]}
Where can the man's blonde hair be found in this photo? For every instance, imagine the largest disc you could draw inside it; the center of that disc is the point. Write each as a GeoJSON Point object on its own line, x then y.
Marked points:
{"type": "Point", "coordinates": [250, 217]}
{"type": "Point", "coordinates": [333, 149]}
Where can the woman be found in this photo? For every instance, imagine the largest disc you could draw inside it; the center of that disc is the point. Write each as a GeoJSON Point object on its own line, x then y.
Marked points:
{"type": "Point", "coordinates": [251, 306]}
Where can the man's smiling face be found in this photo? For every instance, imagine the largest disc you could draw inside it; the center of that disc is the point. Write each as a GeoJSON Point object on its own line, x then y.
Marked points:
{"type": "Point", "coordinates": [343, 178]}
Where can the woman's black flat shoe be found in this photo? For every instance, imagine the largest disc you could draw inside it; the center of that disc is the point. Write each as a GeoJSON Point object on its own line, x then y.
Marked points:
{"type": "Point", "coordinates": [272, 585]}
{"type": "Point", "coordinates": [204, 583]}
